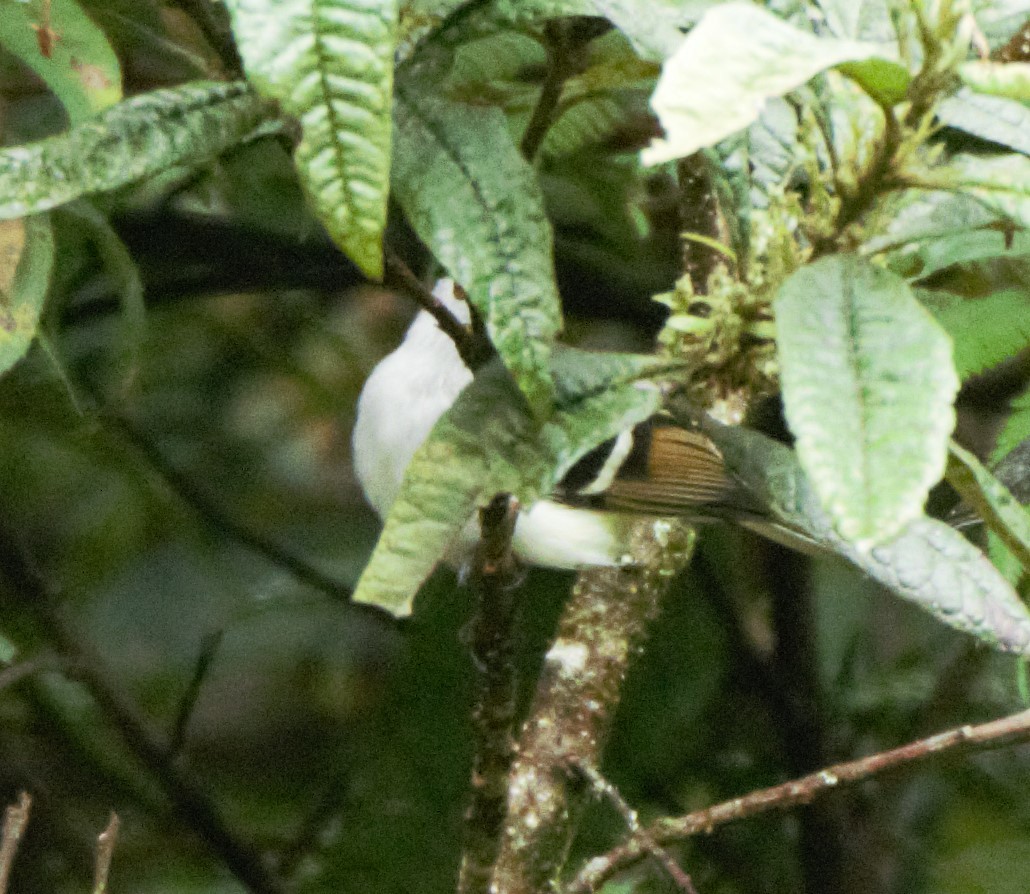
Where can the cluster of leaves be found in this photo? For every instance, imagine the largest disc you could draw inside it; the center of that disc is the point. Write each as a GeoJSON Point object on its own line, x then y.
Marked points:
{"type": "Point", "coordinates": [868, 168]}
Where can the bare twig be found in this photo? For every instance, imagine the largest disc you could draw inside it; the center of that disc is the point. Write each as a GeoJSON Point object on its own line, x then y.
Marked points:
{"type": "Point", "coordinates": [208, 649]}
{"type": "Point", "coordinates": [605, 789]}
{"type": "Point", "coordinates": [106, 841]}
{"type": "Point", "coordinates": [474, 351]}
{"type": "Point", "coordinates": [494, 581]}
{"type": "Point", "coordinates": [26, 585]}
{"type": "Point", "coordinates": [602, 629]}
{"type": "Point", "coordinates": [16, 818]}
{"type": "Point", "coordinates": [1005, 731]}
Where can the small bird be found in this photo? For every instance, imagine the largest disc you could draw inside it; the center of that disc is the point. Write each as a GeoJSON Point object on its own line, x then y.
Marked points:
{"type": "Point", "coordinates": [657, 469]}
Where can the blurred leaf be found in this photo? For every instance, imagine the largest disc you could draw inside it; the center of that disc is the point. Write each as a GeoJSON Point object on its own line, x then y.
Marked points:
{"type": "Point", "coordinates": [330, 64]}
{"type": "Point", "coordinates": [1016, 429]}
{"type": "Point", "coordinates": [26, 262]}
{"type": "Point", "coordinates": [656, 34]}
{"type": "Point", "coordinates": [999, 182]}
{"type": "Point", "coordinates": [868, 386]}
{"type": "Point", "coordinates": [1009, 79]}
{"type": "Point", "coordinates": [137, 138]}
{"type": "Point", "coordinates": [985, 331]}
{"type": "Point", "coordinates": [992, 500]}
{"type": "Point", "coordinates": [489, 442]}
{"type": "Point", "coordinates": [999, 120]}
{"type": "Point", "coordinates": [78, 64]}
{"type": "Point", "coordinates": [475, 202]}
{"type": "Point", "coordinates": [757, 56]}
{"type": "Point", "coordinates": [8, 650]}
{"type": "Point", "coordinates": [926, 562]}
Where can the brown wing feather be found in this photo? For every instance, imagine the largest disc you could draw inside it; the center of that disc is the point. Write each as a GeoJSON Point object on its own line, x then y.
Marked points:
{"type": "Point", "coordinates": [683, 473]}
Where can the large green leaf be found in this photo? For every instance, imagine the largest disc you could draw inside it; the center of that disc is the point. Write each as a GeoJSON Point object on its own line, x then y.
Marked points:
{"type": "Point", "coordinates": [1009, 79]}
{"type": "Point", "coordinates": [26, 261]}
{"type": "Point", "coordinates": [999, 182]}
{"type": "Point", "coordinates": [78, 64]}
{"type": "Point", "coordinates": [925, 562]}
{"type": "Point", "coordinates": [868, 386]}
{"type": "Point", "coordinates": [330, 64]}
{"type": "Point", "coordinates": [738, 57]}
{"type": "Point", "coordinates": [985, 331]}
{"type": "Point", "coordinates": [490, 442]}
{"type": "Point", "coordinates": [476, 203]}
{"type": "Point", "coordinates": [141, 137]}
{"type": "Point", "coordinates": [994, 118]}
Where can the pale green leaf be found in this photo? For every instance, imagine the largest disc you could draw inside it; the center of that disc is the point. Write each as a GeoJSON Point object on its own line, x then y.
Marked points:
{"type": "Point", "coordinates": [140, 137]}
{"type": "Point", "coordinates": [8, 650]}
{"type": "Point", "coordinates": [926, 562]}
{"type": "Point", "coordinates": [999, 120]}
{"type": "Point", "coordinates": [992, 500]}
{"type": "Point", "coordinates": [489, 442]}
{"type": "Point", "coordinates": [984, 331]}
{"type": "Point", "coordinates": [80, 67]}
{"type": "Point", "coordinates": [26, 262]}
{"type": "Point", "coordinates": [756, 57]}
{"type": "Point", "coordinates": [656, 34]}
{"type": "Point", "coordinates": [868, 386]}
{"type": "Point", "coordinates": [1010, 79]}
{"type": "Point", "coordinates": [1000, 183]}
{"type": "Point", "coordinates": [476, 203]}
{"type": "Point", "coordinates": [329, 63]}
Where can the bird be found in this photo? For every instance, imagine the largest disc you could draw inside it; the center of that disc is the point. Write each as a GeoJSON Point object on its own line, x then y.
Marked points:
{"type": "Point", "coordinates": [654, 470]}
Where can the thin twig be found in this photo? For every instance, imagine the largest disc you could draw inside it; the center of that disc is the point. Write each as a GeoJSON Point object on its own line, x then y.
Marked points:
{"type": "Point", "coordinates": [16, 818]}
{"type": "Point", "coordinates": [106, 841]}
{"type": "Point", "coordinates": [494, 581]}
{"type": "Point", "coordinates": [1009, 730]}
{"type": "Point", "coordinates": [475, 352]}
{"type": "Point", "coordinates": [605, 789]}
{"type": "Point", "coordinates": [189, 800]}
{"type": "Point", "coordinates": [209, 510]}
{"type": "Point", "coordinates": [208, 649]}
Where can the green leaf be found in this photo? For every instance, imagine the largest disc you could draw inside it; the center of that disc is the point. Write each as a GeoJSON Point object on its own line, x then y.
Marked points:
{"type": "Point", "coordinates": [8, 650]}
{"type": "Point", "coordinates": [79, 66]}
{"type": "Point", "coordinates": [868, 386]}
{"type": "Point", "coordinates": [138, 138]}
{"type": "Point", "coordinates": [658, 33]}
{"type": "Point", "coordinates": [329, 63]}
{"type": "Point", "coordinates": [757, 57]}
{"type": "Point", "coordinates": [926, 562]}
{"type": "Point", "coordinates": [476, 203]}
{"type": "Point", "coordinates": [1008, 79]}
{"type": "Point", "coordinates": [985, 331]}
{"type": "Point", "coordinates": [992, 500]}
{"type": "Point", "coordinates": [1016, 429]}
{"type": "Point", "coordinates": [26, 262]}
{"type": "Point", "coordinates": [999, 182]}
{"type": "Point", "coordinates": [992, 118]}
{"type": "Point", "coordinates": [489, 442]}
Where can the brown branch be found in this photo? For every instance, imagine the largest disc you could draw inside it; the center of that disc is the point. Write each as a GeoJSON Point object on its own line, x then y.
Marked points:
{"type": "Point", "coordinates": [16, 818]}
{"type": "Point", "coordinates": [699, 214]}
{"type": "Point", "coordinates": [190, 802]}
{"type": "Point", "coordinates": [996, 733]}
{"type": "Point", "coordinates": [494, 581]}
{"type": "Point", "coordinates": [601, 631]}
{"type": "Point", "coordinates": [397, 275]}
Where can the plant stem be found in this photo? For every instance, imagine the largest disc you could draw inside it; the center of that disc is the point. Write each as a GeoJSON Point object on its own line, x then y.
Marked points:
{"type": "Point", "coordinates": [1010, 730]}
{"type": "Point", "coordinates": [603, 627]}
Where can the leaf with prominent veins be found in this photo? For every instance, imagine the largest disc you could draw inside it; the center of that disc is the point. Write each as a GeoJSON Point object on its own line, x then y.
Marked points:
{"type": "Point", "coordinates": [329, 63]}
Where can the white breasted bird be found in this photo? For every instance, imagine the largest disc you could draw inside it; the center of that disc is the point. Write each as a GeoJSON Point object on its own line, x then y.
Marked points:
{"type": "Point", "coordinates": [656, 469]}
